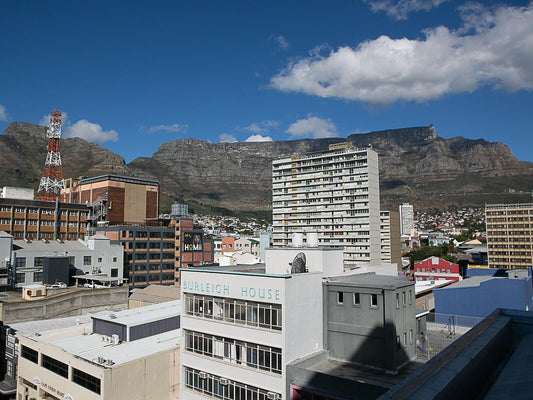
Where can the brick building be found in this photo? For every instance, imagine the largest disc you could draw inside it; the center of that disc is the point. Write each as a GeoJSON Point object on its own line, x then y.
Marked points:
{"type": "Point", "coordinates": [114, 198]}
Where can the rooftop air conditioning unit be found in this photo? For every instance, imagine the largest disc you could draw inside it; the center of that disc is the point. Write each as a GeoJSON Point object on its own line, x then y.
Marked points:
{"type": "Point", "coordinates": [115, 339]}
{"type": "Point", "coordinates": [272, 396]}
{"type": "Point", "coordinates": [223, 381]}
{"type": "Point", "coordinates": [202, 375]}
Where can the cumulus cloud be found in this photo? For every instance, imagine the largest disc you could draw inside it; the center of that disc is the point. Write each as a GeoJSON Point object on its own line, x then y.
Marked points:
{"type": "Point", "coordinates": [91, 132]}
{"type": "Point", "coordinates": [494, 47]}
{"type": "Point", "coordinates": [3, 113]}
{"type": "Point", "coordinates": [174, 128]}
{"type": "Point", "coordinates": [261, 127]}
{"type": "Point", "coordinates": [398, 9]}
{"type": "Point", "coordinates": [258, 138]}
{"type": "Point", "coordinates": [313, 127]}
{"type": "Point", "coordinates": [227, 138]}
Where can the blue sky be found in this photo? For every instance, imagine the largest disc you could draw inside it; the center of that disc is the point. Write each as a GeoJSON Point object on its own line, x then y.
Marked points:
{"type": "Point", "coordinates": [131, 75]}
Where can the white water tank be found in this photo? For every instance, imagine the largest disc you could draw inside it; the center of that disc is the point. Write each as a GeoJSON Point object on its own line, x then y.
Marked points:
{"type": "Point", "coordinates": [297, 240]}
{"type": "Point", "coordinates": [312, 239]}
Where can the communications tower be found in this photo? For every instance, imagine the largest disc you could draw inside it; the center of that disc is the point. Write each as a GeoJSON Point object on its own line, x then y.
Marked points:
{"type": "Point", "coordinates": [52, 180]}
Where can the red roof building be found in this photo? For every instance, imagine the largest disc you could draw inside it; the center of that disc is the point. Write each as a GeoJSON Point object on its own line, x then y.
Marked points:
{"type": "Point", "coordinates": [434, 268]}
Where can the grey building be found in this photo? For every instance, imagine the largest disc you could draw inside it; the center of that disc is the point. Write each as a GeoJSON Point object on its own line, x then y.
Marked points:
{"type": "Point", "coordinates": [96, 255]}
{"type": "Point", "coordinates": [369, 339]}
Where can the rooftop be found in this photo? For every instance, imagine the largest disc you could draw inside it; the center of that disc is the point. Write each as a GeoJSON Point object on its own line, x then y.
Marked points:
{"type": "Point", "coordinates": [119, 178]}
{"type": "Point", "coordinates": [143, 315]}
{"type": "Point", "coordinates": [52, 246]}
{"type": "Point", "coordinates": [371, 281]}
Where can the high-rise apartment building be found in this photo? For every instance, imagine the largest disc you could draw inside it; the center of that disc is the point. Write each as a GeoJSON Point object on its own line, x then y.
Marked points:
{"type": "Point", "coordinates": [406, 219]}
{"type": "Point", "coordinates": [334, 193]}
{"type": "Point", "coordinates": [509, 235]}
{"type": "Point", "coordinates": [391, 248]}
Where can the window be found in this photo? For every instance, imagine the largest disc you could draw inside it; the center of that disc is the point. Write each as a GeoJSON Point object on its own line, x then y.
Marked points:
{"type": "Point", "coordinates": [410, 296]}
{"type": "Point", "coordinates": [373, 300]}
{"type": "Point", "coordinates": [20, 262]}
{"type": "Point", "coordinates": [99, 259]}
{"type": "Point", "coordinates": [38, 262]}
{"type": "Point", "coordinates": [356, 299]}
{"type": "Point", "coordinates": [38, 276]}
{"type": "Point", "coordinates": [449, 270]}
{"type": "Point", "coordinates": [114, 272]}
{"type": "Point", "coordinates": [340, 297]}
{"type": "Point", "coordinates": [411, 336]}
{"type": "Point", "coordinates": [87, 381]}
{"type": "Point", "coordinates": [403, 298]}
{"type": "Point", "coordinates": [86, 260]}
{"type": "Point", "coordinates": [114, 259]}
{"type": "Point", "coordinates": [54, 365]}
{"type": "Point", "coordinates": [20, 277]}
{"type": "Point", "coordinates": [397, 300]}
{"type": "Point", "coordinates": [29, 354]}
{"type": "Point", "coordinates": [10, 369]}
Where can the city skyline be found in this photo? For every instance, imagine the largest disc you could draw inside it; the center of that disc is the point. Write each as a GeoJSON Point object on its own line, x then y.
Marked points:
{"type": "Point", "coordinates": [131, 76]}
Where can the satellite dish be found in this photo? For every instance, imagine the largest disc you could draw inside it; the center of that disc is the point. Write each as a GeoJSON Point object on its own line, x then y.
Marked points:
{"type": "Point", "coordinates": [298, 264]}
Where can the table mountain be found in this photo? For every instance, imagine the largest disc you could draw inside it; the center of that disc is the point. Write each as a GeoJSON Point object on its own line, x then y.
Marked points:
{"type": "Point", "coordinates": [416, 166]}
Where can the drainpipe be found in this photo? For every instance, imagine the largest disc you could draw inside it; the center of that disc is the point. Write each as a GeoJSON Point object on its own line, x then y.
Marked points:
{"type": "Point", "coordinates": [56, 218]}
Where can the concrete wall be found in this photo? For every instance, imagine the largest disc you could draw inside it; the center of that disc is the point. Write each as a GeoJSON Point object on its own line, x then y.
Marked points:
{"type": "Point", "coordinates": [81, 301]}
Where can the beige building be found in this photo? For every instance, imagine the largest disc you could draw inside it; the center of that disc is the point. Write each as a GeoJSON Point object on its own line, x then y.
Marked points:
{"type": "Point", "coordinates": [509, 235]}
{"type": "Point", "coordinates": [391, 247]}
{"type": "Point", "coordinates": [131, 354]}
{"type": "Point", "coordinates": [334, 193]}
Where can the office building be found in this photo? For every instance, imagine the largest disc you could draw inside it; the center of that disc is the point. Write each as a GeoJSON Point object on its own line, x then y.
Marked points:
{"type": "Point", "coordinates": [36, 219]}
{"type": "Point", "coordinates": [244, 327]}
{"type": "Point", "coordinates": [36, 261]}
{"type": "Point", "coordinates": [115, 199]}
{"type": "Point", "coordinates": [130, 354]}
{"type": "Point", "coordinates": [391, 246]}
{"type": "Point", "coordinates": [334, 193]}
{"type": "Point", "coordinates": [435, 268]}
{"type": "Point", "coordinates": [406, 219]}
{"type": "Point", "coordinates": [155, 254]}
{"type": "Point", "coordinates": [509, 235]}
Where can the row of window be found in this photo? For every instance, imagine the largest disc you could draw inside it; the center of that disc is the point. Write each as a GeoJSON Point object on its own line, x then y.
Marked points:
{"type": "Point", "coordinates": [45, 211]}
{"type": "Point", "coordinates": [222, 388]}
{"type": "Point", "coordinates": [356, 299]}
{"type": "Point", "coordinates": [437, 270]}
{"type": "Point", "coordinates": [263, 315]}
{"type": "Point", "coordinates": [81, 378]}
{"type": "Point", "coordinates": [233, 351]}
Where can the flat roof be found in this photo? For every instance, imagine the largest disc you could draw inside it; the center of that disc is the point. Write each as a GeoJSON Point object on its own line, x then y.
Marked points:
{"type": "Point", "coordinates": [237, 270]}
{"type": "Point", "coordinates": [79, 341]}
{"type": "Point", "coordinates": [381, 381]}
{"type": "Point", "coordinates": [119, 178]}
{"type": "Point", "coordinates": [156, 293]}
{"type": "Point", "coordinates": [143, 315]}
{"type": "Point", "coordinates": [370, 281]}
{"type": "Point", "coordinates": [50, 245]}
{"type": "Point", "coordinates": [427, 286]}
{"type": "Point", "coordinates": [473, 281]}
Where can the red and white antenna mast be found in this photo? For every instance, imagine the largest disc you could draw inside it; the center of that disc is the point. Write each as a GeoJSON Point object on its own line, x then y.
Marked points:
{"type": "Point", "coordinates": [52, 180]}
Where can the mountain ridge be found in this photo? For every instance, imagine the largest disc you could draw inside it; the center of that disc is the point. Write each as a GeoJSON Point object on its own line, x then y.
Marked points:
{"type": "Point", "coordinates": [416, 166]}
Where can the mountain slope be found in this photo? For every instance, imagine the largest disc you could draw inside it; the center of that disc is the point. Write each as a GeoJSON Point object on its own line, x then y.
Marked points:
{"type": "Point", "coordinates": [416, 165]}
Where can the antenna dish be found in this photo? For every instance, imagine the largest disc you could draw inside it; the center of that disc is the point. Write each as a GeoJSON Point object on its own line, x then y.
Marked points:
{"type": "Point", "coordinates": [298, 264]}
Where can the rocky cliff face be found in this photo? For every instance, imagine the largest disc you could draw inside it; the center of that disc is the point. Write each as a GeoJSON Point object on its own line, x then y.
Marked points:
{"type": "Point", "coordinates": [416, 165]}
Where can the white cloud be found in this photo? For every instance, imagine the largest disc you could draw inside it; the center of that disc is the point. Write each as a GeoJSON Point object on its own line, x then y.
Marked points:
{"type": "Point", "coordinates": [259, 138]}
{"type": "Point", "coordinates": [174, 128]}
{"type": "Point", "coordinates": [3, 113]}
{"type": "Point", "coordinates": [497, 52]}
{"type": "Point", "coordinates": [313, 127]}
{"type": "Point", "coordinates": [399, 9]}
{"type": "Point", "coordinates": [261, 127]}
{"type": "Point", "coordinates": [227, 138]}
{"type": "Point", "coordinates": [45, 120]}
{"type": "Point", "coordinates": [282, 42]}
{"type": "Point", "coordinates": [91, 132]}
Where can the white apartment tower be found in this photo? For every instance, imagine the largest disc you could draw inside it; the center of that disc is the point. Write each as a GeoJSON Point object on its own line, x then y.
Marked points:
{"type": "Point", "coordinates": [334, 193]}
{"type": "Point", "coordinates": [406, 219]}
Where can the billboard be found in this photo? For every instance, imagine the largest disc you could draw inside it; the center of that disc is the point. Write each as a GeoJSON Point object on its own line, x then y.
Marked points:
{"type": "Point", "coordinates": [192, 242]}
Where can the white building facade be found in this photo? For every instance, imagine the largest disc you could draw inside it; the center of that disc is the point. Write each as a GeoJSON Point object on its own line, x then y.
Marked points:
{"type": "Point", "coordinates": [240, 330]}
{"type": "Point", "coordinates": [407, 222]}
{"type": "Point", "coordinates": [334, 193]}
